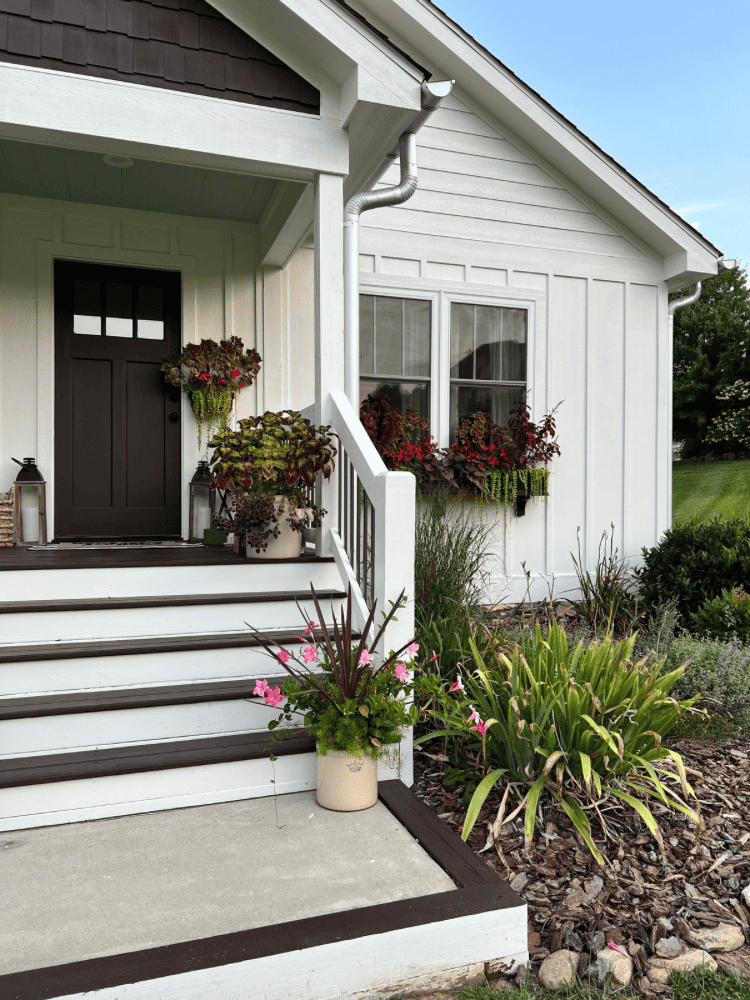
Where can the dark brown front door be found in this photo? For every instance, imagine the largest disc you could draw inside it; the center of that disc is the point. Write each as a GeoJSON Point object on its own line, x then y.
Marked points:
{"type": "Point", "coordinates": [117, 427]}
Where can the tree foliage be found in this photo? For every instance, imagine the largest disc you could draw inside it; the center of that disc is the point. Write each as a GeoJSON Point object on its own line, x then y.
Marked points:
{"type": "Point", "coordinates": [711, 352]}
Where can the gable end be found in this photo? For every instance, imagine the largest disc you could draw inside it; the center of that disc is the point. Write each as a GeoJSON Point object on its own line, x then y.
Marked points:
{"type": "Point", "coordinates": [183, 45]}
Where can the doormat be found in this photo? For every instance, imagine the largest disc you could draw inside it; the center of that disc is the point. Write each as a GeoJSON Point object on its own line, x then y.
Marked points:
{"type": "Point", "coordinates": [56, 546]}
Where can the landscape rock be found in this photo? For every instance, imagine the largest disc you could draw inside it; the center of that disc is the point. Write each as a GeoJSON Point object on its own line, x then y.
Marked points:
{"type": "Point", "coordinates": [669, 947]}
{"type": "Point", "coordinates": [559, 969]}
{"type": "Point", "coordinates": [692, 959]}
{"type": "Point", "coordinates": [614, 963]}
{"type": "Point", "coordinates": [746, 896]}
{"type": "Point", "coordinates": [725, 937]}
{"type": "Point", "coordinates": [657, 975]}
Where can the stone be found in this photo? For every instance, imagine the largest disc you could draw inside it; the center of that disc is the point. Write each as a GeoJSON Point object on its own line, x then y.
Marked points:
{"type": "Point", "coordinates": [520, 882]}
{"type": "Point", "coordinates": [669, 947]}
{"type": "Point", "coordinates": [657, 975]}
{"type": "Point", "coordinates": [559, 969]}
{"type": "Point", "coordinates": [691, 959]}
{"type": "Point", "coordinates": [613, 963]}
{"type": "Point", "coordinates": [666, 924]}
{"type": "Point", "coordinates": [746, 896]}
{"type": "Point", "coordinates": [725, 937]}
{"type": "Point", "coordinates": [593, 886]}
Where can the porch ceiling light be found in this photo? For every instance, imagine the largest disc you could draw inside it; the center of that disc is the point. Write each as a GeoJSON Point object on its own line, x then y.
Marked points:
{"type": "Point", "coordinates": [115, 160]}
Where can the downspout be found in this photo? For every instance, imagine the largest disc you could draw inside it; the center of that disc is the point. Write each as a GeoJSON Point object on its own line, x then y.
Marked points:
{"type": "Point", "coordinates": [686, 300]}
{"type": "Point", "coordinates": [433, 94]}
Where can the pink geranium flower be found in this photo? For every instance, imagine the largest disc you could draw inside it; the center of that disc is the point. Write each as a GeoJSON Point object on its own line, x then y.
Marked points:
{"type": "Point", "coordinates": [412, 650]}
{"type": "Point", "coordinates": [401, 672]}
{"type": "Point", "coordinates": [310, 654]}
{"type": "Point", "coordinates": [274, 697]}
{"type": "Point", "coordinates": [261, 688]}
{"type": "Point", "coordinates": [310, 629]}
{"type": "Point", "coordinates": [458, 686]}
{"type": "Point", "coordinates": [365, 658]}
{"type": "Point", "coordinates": [283, 656]}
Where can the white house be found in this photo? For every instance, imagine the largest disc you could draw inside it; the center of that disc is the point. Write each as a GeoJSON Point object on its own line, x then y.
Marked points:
{"type": "Point", "coordinates": [172, 170]}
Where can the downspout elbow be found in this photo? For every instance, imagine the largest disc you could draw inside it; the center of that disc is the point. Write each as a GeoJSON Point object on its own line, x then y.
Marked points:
{"type": "Point", "coordinates": [686, 300]}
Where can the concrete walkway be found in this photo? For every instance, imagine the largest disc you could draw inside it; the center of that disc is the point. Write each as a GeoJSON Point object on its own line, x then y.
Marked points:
{"type": "Point", "coordinates": [117, 885]}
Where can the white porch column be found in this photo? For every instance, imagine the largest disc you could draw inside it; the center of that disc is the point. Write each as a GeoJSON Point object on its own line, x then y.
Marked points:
{"type": "Point", "coordinates": [329, 319]}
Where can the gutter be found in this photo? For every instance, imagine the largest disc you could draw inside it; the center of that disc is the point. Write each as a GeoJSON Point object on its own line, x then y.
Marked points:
{"type": "Point", "coordinates": [433, 94]}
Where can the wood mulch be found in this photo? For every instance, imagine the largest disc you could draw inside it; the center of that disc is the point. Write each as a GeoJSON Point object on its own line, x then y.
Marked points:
{"type": "Point", "coordinates": [573, 903]}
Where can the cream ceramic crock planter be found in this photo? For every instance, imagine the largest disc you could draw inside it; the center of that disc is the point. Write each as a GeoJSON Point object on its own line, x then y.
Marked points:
{"type": "Point", "coordinates": [347, 783]}
{"type": "Point", "coordinates": [287, 545]}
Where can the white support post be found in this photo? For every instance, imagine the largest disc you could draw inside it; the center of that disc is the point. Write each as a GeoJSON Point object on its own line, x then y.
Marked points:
{"type": "Point", "coordinates": [394, 553]}
{"type": "Point", "coordinates": [329, 322]}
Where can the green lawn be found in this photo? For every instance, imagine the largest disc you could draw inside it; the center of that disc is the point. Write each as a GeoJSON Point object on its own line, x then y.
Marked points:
{"type": "Point", "coordinates": [710, 489]}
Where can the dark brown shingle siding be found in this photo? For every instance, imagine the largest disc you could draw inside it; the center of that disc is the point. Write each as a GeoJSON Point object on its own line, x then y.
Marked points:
{"type": "Point", "coordinates": [171, 44]}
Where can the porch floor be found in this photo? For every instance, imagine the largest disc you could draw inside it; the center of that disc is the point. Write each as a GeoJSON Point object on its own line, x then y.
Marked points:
{"type": "Point", "coordinates": [114, 886]}
{"type": "Point", "coordinates": [23, 557]}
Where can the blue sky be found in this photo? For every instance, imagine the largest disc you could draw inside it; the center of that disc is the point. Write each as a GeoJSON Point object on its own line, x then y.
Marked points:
{"type": "Point", "coordinates": [662, 86]}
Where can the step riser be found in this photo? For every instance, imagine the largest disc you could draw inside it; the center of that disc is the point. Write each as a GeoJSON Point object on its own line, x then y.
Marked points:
{"type": "Point", "coordinates": [65, 626]}
{"type": "Point", "coordinates": [83, 674]}
{"type": "Point", "coordinates": [155, 581]}
{"type": "Point", "coordinates": [94, 730]}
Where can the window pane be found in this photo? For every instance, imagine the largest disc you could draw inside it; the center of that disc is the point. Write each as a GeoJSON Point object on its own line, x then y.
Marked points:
{"type": "Point", "coordinates": [388, 336]}
{"type": "Point", "coordinates": [119, 305]}
{"type": "Point", "coordinates": [367, 334]}
{"type": "Point", "coordinates": [417, 323]}
{"type": "Point", "coordinates": [466, 400]}
{"type": "Point", "coordinates": [514, 345]}
{"type": "Point", "coordinates": [401, 395]}
{"type": "Point", "coordinates": [150, 312]}
{"type": "Point", "coordinates": [462, 340]}
{"type": "Point", "coordinates": [87, 308]}
{"type": "Point", "coordinates": [487, 339]}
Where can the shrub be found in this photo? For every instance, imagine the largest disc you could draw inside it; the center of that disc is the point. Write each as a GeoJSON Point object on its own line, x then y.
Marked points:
{"type": "Point", "coordinates": [695, 562]}
{"type": "Point", "coordinates": [718, 671]}
{"type": "Point", "coordinates": [724, 617]}
{"type": "Point", "coordinates": [577, 724]}
{"type": "Point", "coordinates": [607, 603]}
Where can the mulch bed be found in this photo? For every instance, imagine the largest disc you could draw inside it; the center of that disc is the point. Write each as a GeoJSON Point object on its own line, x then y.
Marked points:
{"type": "Point", "coordinates": [573, 903]}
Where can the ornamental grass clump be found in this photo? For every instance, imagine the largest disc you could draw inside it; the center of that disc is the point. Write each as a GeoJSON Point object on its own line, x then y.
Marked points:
{"type": "Point", "coordinates": [580, 727]}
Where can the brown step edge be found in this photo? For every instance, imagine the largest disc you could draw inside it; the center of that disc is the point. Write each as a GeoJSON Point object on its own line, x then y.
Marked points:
{"type": "Point", "coordinates": [23, 558]}
{"type": "Point", "coordinates": [105, 762]}
{"type": "Point", "coordinates": [173, 601]}
{"type": "Point", "coordinates": [479, 890]}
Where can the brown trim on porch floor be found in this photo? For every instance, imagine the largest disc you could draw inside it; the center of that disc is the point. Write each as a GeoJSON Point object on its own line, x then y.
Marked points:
{"type": "Point", "coordinates": [174, 601]}
{"type": "Point", "coordinates": [20, 557]}
{"type": "Point", "coordinates": [295, 935]}
{"type": "Point", "coordinates": [105, 762]}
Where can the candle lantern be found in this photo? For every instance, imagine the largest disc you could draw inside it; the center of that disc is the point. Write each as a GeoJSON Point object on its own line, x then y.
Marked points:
{"type": "Point", "coordinates": [30, 504]}
{"type": "Point", "coordinates": [201, 502]}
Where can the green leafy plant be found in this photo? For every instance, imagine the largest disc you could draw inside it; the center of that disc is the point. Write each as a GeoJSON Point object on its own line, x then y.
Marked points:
{"type": "Point", "coordinates": [724, 617]}
{"type": "Point", "coordinates": [352, 705]}
{"type": "Point", "coordinates": [582, 726]}
{"type": "Point", "coordinates": [694, 562]}
{"type": "Point", "coordinates": [718, 671]}
{"type": "Point", "coordinates": [275, 454]}
{"type": "Point", "coordinates": [212, 373]}
{"type": "Point", "coordinates": [607, 602]}
{"type": "Point", "coordinates": [257, 517]}
{"type": "Point", "coordinates": [731, 428]}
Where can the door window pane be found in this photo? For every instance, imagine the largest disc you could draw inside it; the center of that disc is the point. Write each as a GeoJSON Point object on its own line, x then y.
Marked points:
{"type": "Point", "coordinates": [466, 400]}
{"type": "Point", "coordinates": [87, 308]}
{"type": "Point", "coordinates": [119, 305]}
{"type": "Point", "coordinates": [150, 312]}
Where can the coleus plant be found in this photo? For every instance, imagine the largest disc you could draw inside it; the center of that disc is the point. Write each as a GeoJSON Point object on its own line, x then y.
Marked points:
{"type": "Point", "coordinates": [212, 373]}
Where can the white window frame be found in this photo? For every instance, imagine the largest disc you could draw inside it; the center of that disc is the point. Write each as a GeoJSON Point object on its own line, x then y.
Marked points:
{"type": "Point", "coordinates": [440, 356]}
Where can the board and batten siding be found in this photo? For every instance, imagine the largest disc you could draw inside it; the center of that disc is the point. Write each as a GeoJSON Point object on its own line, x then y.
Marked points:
{"type": "Point", "coordinates": [223, 294]}
{"type": "Point", "coordinates": [491, 218]}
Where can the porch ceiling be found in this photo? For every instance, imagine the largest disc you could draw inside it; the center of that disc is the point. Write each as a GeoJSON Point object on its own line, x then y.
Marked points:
{"type": "Point", "coordinates": [81, 176]}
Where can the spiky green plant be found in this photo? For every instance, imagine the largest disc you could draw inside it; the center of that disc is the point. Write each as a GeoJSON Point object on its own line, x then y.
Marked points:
{"type": "Point", "coordinates": [581, 725]}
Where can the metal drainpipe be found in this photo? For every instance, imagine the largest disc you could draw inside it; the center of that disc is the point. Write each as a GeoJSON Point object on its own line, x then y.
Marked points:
{"type": "Point", "coordinates": [433, 94]}
{"type": "Point", "coordinates": [686, 300]}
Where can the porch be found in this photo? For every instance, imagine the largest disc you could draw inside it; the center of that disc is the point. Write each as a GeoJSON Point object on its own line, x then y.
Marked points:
{"type": "Point", "coordinates": [208, 901]}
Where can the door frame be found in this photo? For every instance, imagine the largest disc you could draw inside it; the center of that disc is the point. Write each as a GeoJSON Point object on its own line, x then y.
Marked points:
{"type": "Point", "coordinates": [47, 253]}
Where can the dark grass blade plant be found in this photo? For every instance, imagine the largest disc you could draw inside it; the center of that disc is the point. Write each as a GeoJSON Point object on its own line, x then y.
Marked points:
{"type": "Point", "coordinates": [581, 726]}
{"type": "Point", "coordinates": [354, 705]}
{"type": "Point", "coordinates": [607, 602]}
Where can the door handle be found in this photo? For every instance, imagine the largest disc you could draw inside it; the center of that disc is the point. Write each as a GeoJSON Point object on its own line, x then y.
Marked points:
{"type": "Point", "coordinates": [174, 416]}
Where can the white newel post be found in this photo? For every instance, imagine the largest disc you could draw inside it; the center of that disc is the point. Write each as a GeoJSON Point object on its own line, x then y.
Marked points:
{"type": "Point", "coordinates": [329, 321]}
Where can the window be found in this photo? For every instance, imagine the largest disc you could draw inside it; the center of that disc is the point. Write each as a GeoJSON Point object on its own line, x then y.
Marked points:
{"type": "Point", "coordinates": [488, 361]}
{"type": "Point", "coordinates": [394, 350]}
{"type": "Point", "coordinates": [127, 308]}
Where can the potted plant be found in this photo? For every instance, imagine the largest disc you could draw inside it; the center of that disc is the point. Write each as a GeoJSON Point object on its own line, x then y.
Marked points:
{"type": "Point", "coordinates": [212, 373]}
{"type": "Point", "coordinates": [355, 709]}
{"type": "Point", "coordinates": [268, 464]}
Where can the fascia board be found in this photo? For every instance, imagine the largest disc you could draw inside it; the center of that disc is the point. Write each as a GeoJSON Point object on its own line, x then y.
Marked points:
{"type": "Point", "coordinates": [453, 53]}
{"type": "Point", "coordinates": [324, 42]}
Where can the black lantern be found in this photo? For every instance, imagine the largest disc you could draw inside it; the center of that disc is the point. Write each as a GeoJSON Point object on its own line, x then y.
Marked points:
{"type": "Point", "coordinates": [30, 504]}
{"type": "Point", "coordinates": [201, 502]}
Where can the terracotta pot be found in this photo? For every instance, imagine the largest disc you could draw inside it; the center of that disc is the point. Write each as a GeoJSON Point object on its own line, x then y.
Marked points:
{"type": "Point", "coordinates": [288, 543]}
{"type": "Point", "coordinates": [347, 783]}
